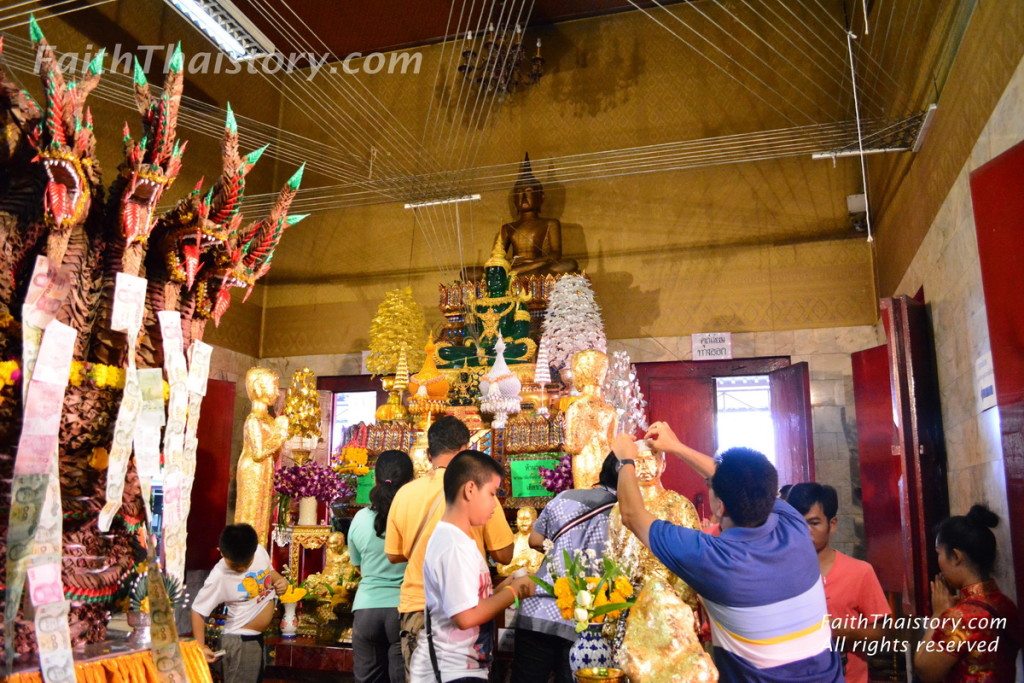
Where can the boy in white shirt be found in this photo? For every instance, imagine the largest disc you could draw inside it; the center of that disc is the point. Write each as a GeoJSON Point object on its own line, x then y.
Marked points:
{"type": "Point", "coordinates": [457, 643]}
{"type": "Point", "coordinates": [246, 583]}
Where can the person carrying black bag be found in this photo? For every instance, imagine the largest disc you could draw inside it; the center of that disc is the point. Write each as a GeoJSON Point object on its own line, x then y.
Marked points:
{"type": "Point", "coordinates": [573, 520]}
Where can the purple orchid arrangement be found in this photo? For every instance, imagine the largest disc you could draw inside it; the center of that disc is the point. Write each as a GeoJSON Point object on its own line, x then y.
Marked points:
{"type": "Point", "coordinates": [558, 479]}
{"type": "Point", "coordinates": [311, 479]}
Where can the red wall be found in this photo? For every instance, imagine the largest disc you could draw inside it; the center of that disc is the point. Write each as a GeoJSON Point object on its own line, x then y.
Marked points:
{"type": "Point", "coordinates": [997, 191]}
{"type": "Point", "coordinates": [213, 473]}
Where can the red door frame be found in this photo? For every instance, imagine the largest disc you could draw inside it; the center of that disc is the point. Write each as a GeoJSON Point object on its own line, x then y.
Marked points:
{"type": "Point", "coordinates": [650, 375]}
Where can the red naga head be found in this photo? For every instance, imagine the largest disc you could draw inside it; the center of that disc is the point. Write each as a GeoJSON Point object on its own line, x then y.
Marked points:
{"type": "Point", "coordinates": [218, 215]}
{"type": "Point", "coordinates": [151, 164]}
{"type": "Point", "coordinates": [258, 241]}
{"type": "Point", "coordinates": [65, 139]}
{"type": "Point", "coordinates": [245, 256]}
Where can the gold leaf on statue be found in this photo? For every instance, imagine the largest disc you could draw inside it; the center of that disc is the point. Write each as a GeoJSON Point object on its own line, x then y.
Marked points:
{"type": "Point", "coordinates": [661, 644]}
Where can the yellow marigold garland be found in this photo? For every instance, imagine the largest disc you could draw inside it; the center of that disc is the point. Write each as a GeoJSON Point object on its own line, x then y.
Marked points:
{"type": "Point", "coordinates": [99, 374]}
{"type": "Point", "coordinates": [353, 461]}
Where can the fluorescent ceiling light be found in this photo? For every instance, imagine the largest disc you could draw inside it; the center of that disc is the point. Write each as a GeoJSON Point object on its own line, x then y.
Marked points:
{"type": "Point", "coordinates": [447, 200]}
{"type": "Point", "coordinates": [226, 26]}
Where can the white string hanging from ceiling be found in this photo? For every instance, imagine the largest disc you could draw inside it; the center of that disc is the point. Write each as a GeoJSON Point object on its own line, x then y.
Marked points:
{"type": "Point", "coordinates": [21, 17]}
{"type": "Point", "coordinates": [681, 155]}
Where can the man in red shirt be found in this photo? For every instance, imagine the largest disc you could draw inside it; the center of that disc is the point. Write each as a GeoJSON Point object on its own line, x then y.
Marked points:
{"type": "Point", "coordinates": [856, 603]}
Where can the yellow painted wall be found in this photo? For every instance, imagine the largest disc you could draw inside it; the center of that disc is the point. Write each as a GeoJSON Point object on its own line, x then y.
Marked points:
{"type": "Point", "coordinates": [669, 253]}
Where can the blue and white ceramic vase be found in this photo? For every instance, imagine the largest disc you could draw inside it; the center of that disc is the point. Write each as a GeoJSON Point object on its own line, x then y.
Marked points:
{"type": "Point", "coordinates": [590, 650]}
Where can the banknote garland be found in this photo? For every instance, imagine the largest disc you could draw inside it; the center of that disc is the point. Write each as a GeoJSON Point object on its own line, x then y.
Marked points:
{"type": "Point", "coordinates": [68, 432]}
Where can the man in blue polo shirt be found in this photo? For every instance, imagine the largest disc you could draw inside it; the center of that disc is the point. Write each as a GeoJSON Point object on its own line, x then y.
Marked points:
{"type": "Point", "coordinates": [759, 580]}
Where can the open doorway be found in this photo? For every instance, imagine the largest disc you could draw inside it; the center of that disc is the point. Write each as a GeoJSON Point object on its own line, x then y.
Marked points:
{"type": "Point", "coordinates": [743, 414]}
{"type": "Point", "coordinates": [686, 394]}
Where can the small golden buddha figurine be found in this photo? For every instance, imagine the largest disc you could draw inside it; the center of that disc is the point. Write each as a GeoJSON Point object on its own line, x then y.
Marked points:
{"type": "Point", "coordinates": [661, 644]}
{"type": "Point", "coordinates": [590, 421]}
{"type": "Point", "coordinates": [627, 549]}
{"type": "Point", "coordinates": [262, 439]}
{"type": "Point", "coordinates": [523, 556]}
{"type": "Point", "coordinates": [419, 454]}
{"type": "Point", "coordinates": [535, 242]}
{"type": "Point", "coordinates": [502, 313]}
{"type": "Point", "coordinates": [338, 566]}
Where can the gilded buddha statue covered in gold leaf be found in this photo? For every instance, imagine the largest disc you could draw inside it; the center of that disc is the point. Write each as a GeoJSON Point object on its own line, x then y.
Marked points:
{"type": "Point", "coordinates": [262, 439]}
{"type": "Point", "coordinates": [661, 644]}
{"type": "Point", "coordinates": [590, 421]}
{"type": "Point", "coordinates": [523, 556]}
{"type": "Point", "coordinates": [338, 566]}
{"type": "Point", "coordinates": [664, 504]}
{"type": "Point", "coordinates": [534, 242]}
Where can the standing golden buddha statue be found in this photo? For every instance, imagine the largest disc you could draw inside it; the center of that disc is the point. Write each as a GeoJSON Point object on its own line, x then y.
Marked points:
{"type": "Point", "coordinates": [590, 421]}
{"type": "Point", "coordinates": [523, 556]}
{"type": "Point", "coordinates": [664, 504]}
{"type": "Point", "coordinates": [262, 439]}
{"type": "Point", "coordinates": [535, 242]}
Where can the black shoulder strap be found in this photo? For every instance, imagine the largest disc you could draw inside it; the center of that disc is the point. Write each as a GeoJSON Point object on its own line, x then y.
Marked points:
{"type": "Point", "coordinates": [430, 644]}
{"type": "Point", "coordinates": [582, 518]}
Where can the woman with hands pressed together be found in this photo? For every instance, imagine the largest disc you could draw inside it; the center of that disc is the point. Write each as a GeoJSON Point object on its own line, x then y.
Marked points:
{"type": "Point", "coordinates": [975, 640]}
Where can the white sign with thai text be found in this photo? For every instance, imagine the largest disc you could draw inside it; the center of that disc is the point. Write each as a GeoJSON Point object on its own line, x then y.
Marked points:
{"type": "Point", "coordinates": [712, 346]}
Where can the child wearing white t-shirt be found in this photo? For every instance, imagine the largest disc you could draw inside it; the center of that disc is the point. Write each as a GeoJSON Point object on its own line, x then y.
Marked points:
{"type": "Point", "coordinates": [457, 643]}
{"type": "Point", "coordinates": [245, 582]}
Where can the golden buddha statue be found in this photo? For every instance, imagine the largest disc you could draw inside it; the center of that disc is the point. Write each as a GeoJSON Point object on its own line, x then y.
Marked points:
{"type": "Point", "coordinates": [262, 439]}
{"type": "Point", "coordinates": [590, 421]}
{"type": "Point", "coordinates": [502, 313]}
{"type": "Point", "coordinates": [535, 242]}
{"type": "Point", "coordinates": [338, 567]}
{"type": "Point", "coordinates": [664, 504]}
{"type": "Point", "coordinates": [337, 581]}
{"type": "Point", "coordinates": [419, 452]}
{"type": "Point", "coordinates": [523, 556]}
{"type": "Point", "coordinates": [661, 644]}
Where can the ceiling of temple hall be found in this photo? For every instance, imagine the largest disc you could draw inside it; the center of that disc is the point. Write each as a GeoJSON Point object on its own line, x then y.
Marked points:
{"type": "Point", "coordinates": [382, 25]}
{"type": "Point", "coordinates": [686, 130]}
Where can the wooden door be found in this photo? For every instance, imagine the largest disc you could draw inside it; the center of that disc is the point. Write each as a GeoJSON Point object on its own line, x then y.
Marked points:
{"type": "Point", "coordinates": [682, 393]}
{"type": "Point", "coordinates": [791, 415]}
{"type": "Point", "coordinates": [688, 405]}
{"type": "Point", "coordinates": [880, 466]}
{"type": "Point", "coordinates": [924, 498]}
{"type": "Point", "coordinates": [213, 473]}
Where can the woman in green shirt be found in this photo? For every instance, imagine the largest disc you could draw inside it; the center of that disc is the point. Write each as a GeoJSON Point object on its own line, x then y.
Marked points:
{"type": "Point", "coordinates": [375, 644]}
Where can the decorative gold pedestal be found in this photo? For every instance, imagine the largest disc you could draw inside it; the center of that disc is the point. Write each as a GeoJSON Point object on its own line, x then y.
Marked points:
{"type": "Point", "coordinates": [393, 409]}
{"type": "Point", "coordinates": [305, 537]}
{"type": "Point", "coordinates": [425, 409]}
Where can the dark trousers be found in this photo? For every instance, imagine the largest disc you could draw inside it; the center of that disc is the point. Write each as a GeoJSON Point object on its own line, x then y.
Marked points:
{"type": "Point", "coordinates": [376, 647]}
{"type": "Point", "coordinates": [538, 655]}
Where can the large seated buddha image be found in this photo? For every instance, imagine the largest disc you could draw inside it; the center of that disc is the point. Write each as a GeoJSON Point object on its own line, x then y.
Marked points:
{"type": "Point", "coordinates": [533, 242]}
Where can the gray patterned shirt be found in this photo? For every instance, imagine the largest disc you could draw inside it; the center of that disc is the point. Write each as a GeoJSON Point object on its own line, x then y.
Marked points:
{"type": "Point", "coordinates": [540, 613]}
